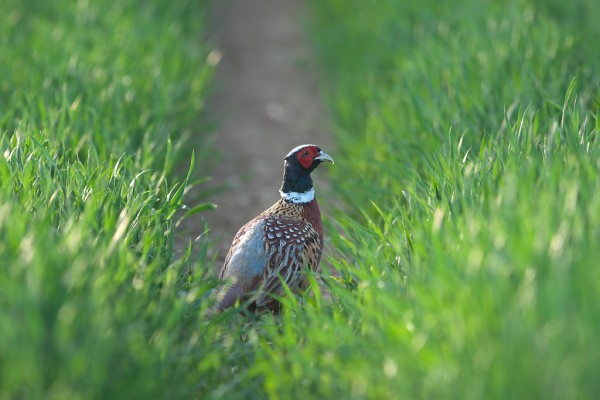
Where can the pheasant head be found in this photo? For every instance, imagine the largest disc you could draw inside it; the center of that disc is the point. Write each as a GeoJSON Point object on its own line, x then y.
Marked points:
{"type": "Point", "coordinates": [297, 186]}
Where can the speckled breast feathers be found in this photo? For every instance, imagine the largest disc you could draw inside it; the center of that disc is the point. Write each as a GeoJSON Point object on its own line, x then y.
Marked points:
{"type": "Point", "coordinates": [270, 249]}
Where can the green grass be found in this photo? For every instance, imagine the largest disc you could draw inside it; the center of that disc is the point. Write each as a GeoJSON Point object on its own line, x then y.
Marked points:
{"type": "Point", "coordinates": [96, 100]}
{"type": "Point", "coordinates": [468, 158]}
{"type": "Point", "coordinates": [468, 163]}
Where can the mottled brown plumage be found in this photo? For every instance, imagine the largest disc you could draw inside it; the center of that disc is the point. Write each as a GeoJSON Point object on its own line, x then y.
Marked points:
{"type": "Point", "coordinates": [279, 243]}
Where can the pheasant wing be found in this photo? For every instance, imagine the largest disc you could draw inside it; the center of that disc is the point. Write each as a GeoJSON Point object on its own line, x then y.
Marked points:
{"type": "Point", "coordinates": [245, 263]}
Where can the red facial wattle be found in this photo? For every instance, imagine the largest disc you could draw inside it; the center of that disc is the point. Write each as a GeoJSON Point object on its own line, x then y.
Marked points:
{"type": "Point", "coordinates": [307, 155]}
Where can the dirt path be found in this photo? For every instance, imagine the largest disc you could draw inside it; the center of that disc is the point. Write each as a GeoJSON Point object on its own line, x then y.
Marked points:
{"type": "Point", "coordinates": [265, 103]}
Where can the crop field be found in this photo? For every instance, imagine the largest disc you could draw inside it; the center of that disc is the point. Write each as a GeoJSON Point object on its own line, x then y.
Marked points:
{"type": "Point", "coordinates": [470, 161]}
{"type": "Point", "coordinates": [462, 261]}
{"type": "Point", "coordinates": [95, 99]}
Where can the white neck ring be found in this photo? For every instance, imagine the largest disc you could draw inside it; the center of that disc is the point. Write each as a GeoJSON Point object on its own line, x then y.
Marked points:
{"type": "Point", "coordinates": [297, 198]}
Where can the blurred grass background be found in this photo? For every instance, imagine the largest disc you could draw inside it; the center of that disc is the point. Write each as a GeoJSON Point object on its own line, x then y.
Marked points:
{"type": "Point", "coordinates": [467, 165]}
{"type": "Point", "coordinates": [96, 101]}
{"type": "Point", "coordinates": [469, 161]}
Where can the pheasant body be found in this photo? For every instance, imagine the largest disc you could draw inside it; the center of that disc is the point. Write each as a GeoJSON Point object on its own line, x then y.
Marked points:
{"type": "Point", "coordinates": [280, 242]}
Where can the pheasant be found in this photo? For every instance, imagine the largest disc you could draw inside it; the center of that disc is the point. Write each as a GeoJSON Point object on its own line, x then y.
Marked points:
{"type": "Point", "coordinates": [280, 242]}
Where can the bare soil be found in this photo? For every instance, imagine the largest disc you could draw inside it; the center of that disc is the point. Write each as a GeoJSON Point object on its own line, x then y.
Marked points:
{"type": "Point", "coordinates": [265, 103]}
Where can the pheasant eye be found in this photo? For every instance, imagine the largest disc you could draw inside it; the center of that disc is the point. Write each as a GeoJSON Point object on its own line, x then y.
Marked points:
{"type": "Point", "coordinates": [305, 153]}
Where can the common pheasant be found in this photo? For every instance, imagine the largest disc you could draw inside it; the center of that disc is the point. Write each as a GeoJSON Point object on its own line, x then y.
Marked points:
{"type": "Point", "coordinates": [279, 243]}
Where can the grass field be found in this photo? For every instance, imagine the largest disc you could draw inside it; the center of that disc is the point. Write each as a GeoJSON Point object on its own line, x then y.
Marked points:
{"type": "Point", "coordinates": [469, 155]}
{"type": "Point", "coordinates": [468, 166]}
{"type": "Point", "coordinates": [469, 163]}
{"type": "Point", "coordinates": [95, 101]}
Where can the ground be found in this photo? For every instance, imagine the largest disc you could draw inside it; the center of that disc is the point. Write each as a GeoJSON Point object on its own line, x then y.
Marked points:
{"type": "Point", "coordinates": [265, 102]}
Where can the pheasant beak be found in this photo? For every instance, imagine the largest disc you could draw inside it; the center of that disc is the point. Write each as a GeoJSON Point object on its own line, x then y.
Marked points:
{"type": "Point", "coordinates": [324, 157]}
